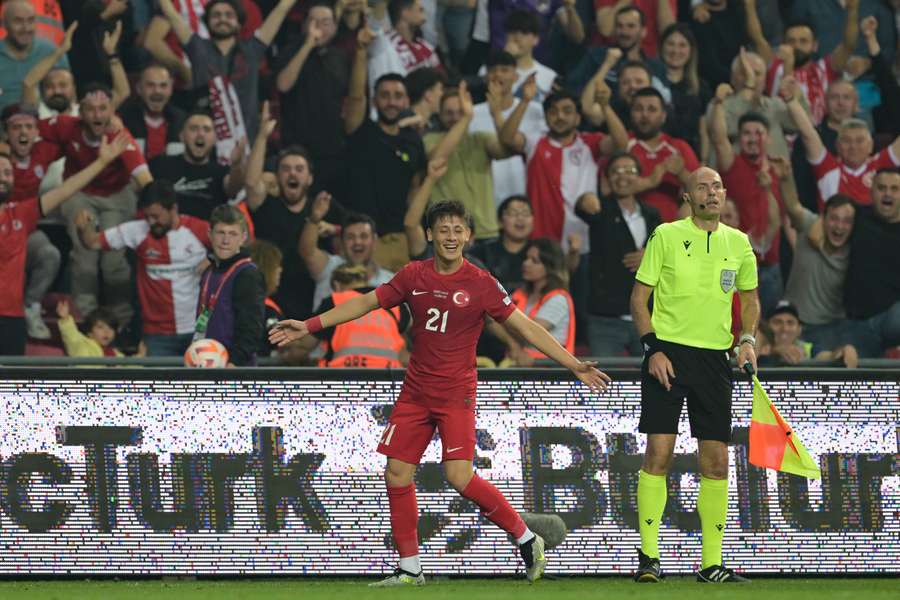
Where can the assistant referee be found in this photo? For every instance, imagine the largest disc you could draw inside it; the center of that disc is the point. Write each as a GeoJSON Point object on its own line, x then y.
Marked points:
{"type": "Point", "coordinates": [692, 267]}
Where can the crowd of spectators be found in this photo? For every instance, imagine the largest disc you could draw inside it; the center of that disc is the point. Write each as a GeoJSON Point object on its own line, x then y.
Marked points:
{"type": "Point", "coordinates": [158, 154]}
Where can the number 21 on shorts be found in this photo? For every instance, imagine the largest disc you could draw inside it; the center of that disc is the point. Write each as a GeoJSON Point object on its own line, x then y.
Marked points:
{"type": "Point", "coordinates": [388, 434]}
{"type": "Point", "coordinates": [434, 316]}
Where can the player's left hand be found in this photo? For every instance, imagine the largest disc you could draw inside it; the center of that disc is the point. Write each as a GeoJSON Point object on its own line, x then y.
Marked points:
{"type": "Point", "coordinates": [591, 376]}
{"type": "Point", "coordinates": [746, 353]}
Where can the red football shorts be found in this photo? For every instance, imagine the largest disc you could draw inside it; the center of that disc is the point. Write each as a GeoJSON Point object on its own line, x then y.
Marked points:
{"type": "Point", "coordinates": [412, 424]}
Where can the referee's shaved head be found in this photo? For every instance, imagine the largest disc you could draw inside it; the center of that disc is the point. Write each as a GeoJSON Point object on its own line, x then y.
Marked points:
{"type": "Point", "coordinates": [705, 194]}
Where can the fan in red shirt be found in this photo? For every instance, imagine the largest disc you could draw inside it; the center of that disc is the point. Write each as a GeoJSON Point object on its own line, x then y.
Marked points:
{"type": "Point", "coordinates": [752, 183]}
{"type": "Point", "coordinates": [449, 299]}
{"type": "Point", "coordinates": [110, 197]}
{"type": "Point", "coordinates": [850, 172]}
{"type": "Point", "coordinates": [17, 220]}
{"type": "Point", "coordinates": [652, 147]}
{"type": "Point", "coordinates": [31, 156]}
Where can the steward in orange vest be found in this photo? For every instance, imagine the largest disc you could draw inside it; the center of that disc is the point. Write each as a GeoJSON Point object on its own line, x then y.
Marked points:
{"type": "Point", "coordinates": [520, 298]}
{"type": "Point", "coordinates": [375, 340]}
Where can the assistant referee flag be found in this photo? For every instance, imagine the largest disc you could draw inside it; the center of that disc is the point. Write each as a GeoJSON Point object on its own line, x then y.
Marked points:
{"type": "Point", "coordinates": [773, 444]}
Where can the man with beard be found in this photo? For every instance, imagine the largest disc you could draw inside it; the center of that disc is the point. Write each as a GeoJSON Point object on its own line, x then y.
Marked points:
{"type": "Point", "coordinates": [313, 75]}
{"type": "Point", "coordinates": [201, 183]}
{"type": "Point", "coordinates": [151, 118]}
{"type": "Point", "coordinates": [226, 64]}
{"type": "Point", "coordinates": [872, 291]}
{"type": "Point", "coordinates": [652, 147]}
{"type": "Point", "coordinates": [31, 159]}
{"type": "Point", "coordinates": [620, 226]}
{"type": "Point", "coordinates": [20, 51]}
{"type": "Point", "coordinates": [17, 220]}
{"type": "Point", "coordinates": [562, 165]}
{"type": "Point", "coordinates": [358, 242]}
{"type": "Point", "coordinates": [402, 49]}
{"type": "Point", "coordinates": [110, 197]}
{"type": "Point", "coordinates": [281, 219]}
{"type": "Point", "coordinates": [630, 30]}
{"type": "Point", "coordinates": [385, 162]}
{"type": "Point", "coordinates": [753, 184]}
{"type": "Point", "coordinates": [850, 172]}
{"type": "Point", "coordinates": [658, 15]}
{"type": "Point", "coordinates": [797, 56]}
{"type": "Point", "coordinates": [169, 249]}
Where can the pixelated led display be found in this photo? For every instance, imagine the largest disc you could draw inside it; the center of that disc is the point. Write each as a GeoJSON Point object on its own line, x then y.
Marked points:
{"type": "Point", "coordinates": [277, 473]}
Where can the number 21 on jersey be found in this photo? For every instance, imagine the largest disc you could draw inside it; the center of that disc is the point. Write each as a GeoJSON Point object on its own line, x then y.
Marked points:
{"type": "Point", "coordinates": [437, 320]}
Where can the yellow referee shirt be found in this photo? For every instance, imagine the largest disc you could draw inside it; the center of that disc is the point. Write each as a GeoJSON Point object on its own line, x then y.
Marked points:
{"type": "Point", "coordinates": [694, 273]}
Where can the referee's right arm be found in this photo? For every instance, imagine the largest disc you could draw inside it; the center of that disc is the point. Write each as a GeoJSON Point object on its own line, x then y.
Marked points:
{"type": "Point", "coordinates": [647, 277]}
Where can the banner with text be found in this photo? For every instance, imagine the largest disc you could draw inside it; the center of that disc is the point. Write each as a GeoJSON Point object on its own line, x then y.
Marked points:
{"type": "Point", "coordinates": [281, 477]}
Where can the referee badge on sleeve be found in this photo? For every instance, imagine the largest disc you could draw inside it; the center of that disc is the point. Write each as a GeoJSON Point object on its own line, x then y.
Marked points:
{"type": "Point", "coordinates": [727, 279]}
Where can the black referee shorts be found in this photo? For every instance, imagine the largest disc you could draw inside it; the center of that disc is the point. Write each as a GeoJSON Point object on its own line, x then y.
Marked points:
{"type": "Point", "coordinates": [703, 377]}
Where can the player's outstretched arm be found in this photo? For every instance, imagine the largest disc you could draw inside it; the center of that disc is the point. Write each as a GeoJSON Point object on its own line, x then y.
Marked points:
{"type": "Point", "coordinates": [287, 331]}
{"type": "Point", "coordinates": [541, 339]}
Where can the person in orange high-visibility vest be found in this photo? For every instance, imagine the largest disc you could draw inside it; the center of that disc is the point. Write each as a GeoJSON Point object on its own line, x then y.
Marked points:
{"type": "Point", "coordinates": [375, 340]}
{"type": "Point", "coordinates": [545, 299]}
{"type": "Point", "coordinates": [48, 21]}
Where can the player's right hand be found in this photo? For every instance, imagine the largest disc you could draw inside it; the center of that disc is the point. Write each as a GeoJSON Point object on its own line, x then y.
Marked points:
{"type": "Point", "coordinates": [591, 376]}
{"type": "Point", "coordinates": [285, 332]}
{"type": "Point", "coordinates": [661, 368]}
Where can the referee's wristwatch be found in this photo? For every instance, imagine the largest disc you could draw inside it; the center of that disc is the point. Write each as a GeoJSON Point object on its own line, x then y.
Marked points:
{"type": "Point", "coordinates": [748, 339]}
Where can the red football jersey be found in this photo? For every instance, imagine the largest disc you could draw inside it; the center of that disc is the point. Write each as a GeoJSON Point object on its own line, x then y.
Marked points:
{"type": "Point", "coordinates": [833, 176]}
{"type": "Point", "coordinates": [66, 133]}
{"type": "Point", "coordinates": [664, 197]}
{"type": "Point", "coordinates": [17, 221]}
{"type": "Point", "coordinates": [448, 316]}
{"type": "Point", "coordinates": [29, 173]}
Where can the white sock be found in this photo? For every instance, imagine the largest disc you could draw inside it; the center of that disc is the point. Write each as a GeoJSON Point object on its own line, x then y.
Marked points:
{"type": "Point", "coordinates": [411, 564]}
{"type": "Point", "coordinates": [526, 537]}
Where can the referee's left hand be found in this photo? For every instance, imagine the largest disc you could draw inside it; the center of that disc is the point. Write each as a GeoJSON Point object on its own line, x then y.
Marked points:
{"type": "Point", "coordinates": [591, 376]}
{"type": "Point", "coordinates": [746, 354]}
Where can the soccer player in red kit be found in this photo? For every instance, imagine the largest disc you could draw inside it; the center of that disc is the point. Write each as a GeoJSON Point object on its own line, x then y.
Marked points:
{"type": "Point", "coordinates": [449, 299]}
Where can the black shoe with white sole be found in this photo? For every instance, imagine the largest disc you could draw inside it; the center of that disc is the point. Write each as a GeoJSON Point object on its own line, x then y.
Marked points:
{"type": "Point", "coordinates": [719, 574]}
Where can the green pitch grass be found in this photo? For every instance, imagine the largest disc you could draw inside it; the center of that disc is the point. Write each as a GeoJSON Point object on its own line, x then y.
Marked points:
{"type": "Point", "coordinates": [453, 589]}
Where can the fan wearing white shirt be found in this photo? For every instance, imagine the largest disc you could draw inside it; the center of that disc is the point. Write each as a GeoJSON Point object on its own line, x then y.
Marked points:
{"type": "Point", "coordinates": [522, 37]}
{"type": "Point", "coordinates": [508, 173]}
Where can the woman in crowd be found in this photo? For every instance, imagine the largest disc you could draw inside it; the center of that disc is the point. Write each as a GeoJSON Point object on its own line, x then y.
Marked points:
{"type": "Point", "coordinates": [690, 94]}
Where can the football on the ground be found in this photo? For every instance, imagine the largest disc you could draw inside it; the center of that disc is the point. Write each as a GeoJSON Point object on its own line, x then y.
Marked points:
{"type": "Point", "coordinates": [206, 354]}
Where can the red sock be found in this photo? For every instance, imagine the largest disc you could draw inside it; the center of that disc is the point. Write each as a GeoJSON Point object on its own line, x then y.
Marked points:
{"type": "Point", "coordinates": [494, 506]}
{"type": "Point", "coordinates": [404, 519]}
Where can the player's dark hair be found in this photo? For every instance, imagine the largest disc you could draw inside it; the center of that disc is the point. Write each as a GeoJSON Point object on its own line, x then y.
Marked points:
{"type": "Point", "coordinates": [631, 8]}
{"type": "Point", "coordinates": [295, 150]}
{"type": "Point", "coordinates": [619, 155]}
{"type": "Point", "coordinates": [500, 58]}
{"type": "Point", "coordinates": [446, 208]}
{"type": "Point", "coordinates": [390, 77]}
{"type": "Point", "coordinates": [355, 218]}
{"type": "Point", "coordinates": [753, 117]}
{"type": "Point", "coordinates": [649, 92]}
{"type": "Point", "coordinates": [396, 8]}
{"type": "Point", "coordinates": [509, 200]}
{"type": "Point", "coordinates": [158, 191]}
{"type": "Point", "coordinates": [554, 261]}
{"type": "Point", "coordinates": [837, 201]}
{"type": "Point", "coordinates": [558, 96]}
{"type": "Point", "coordinates": [802, 23]}
{"type": "Point", "coordinates": [420, 81]}
{"type": "Point", "coordinates": [227, 214]}
{"type": "Point", "coordinates": [235, 4]}
{"type": "Point", "coordinates": [94, 87]}
{"type": "Point", "coordinates": [522, 21]}
{"type": "Point", "coordinates": [100, 315]}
